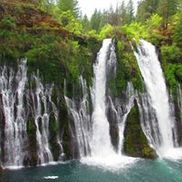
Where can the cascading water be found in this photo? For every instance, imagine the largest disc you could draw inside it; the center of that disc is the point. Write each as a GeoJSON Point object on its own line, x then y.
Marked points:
{"type": "Point", "coordinates": [122, 117]}
{"type": "Point", "coordinates": [40, 97]}
{"type": "Point", "coordinates": [82, 119]}
{"type": "Point", "coordinates": [179, 97]}
{"type": "Point", "coordinates": [93, 131]}
{"type": "Point", "coordinates": [15, 136]}
{"type": "Point", "coordinates": [102, 151]}
{"type": "Point", "coordinates": [101, 144]}
{"type": "Point", "coordinates": [17, 100]}
{"type": "Point", "coordinates": [162, 129]}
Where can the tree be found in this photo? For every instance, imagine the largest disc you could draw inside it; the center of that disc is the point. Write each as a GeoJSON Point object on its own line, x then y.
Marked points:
{"type": "Point", "coordinates": [47, 5]}
{"type": "Point", "coordinates": [130, 11]}
{"type": "Point", "coordinates": [126, 12]}
{"type": "Point", "coordinates": [178, 28]}
{"type": "Point", "coordinates": [70, 22]}
{"type": "Point", "coordinates": [85, 23]}
{"type": "Point", "coordinates": [96, 20]}
{"type": "Point", "coordinates": [69, 5]}
{"type": "Point", "coordinates": [167, 8]}
{"type": "Point", "coordinates": [146, 8]}
{"type": "Point", "coordinates": [113, 17]}
{"type": "Point", "coordinates": [123, 13]}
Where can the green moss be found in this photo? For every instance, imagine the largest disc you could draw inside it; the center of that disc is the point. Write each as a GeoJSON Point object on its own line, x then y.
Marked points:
{"type": "Point", "coordinates": [135, 143]}
{"type": "Point", "coordinates": [31, 131]}
{"type": "Point", "coordinates": [127, 69]}
{"type": "Point", "coordinates": [54, 130]}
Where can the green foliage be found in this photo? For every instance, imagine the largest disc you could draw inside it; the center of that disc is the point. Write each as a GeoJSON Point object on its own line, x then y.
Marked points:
{"type": "Point", "coordinates": [70, 22]}
{"type": "Point", "coordinates": [106, 31]}
{"type": "Point", "coordinates": [93, 34]}
{"type": "Point", "coordinates": [8, 23]}
{"type": "Point", "coordinates": [69, 5]}
{"type": "Point", "coordinates": [96, 20]}
{"type": "Point", "coordinates": [127, 69]}
{"type": "Point", "coordinates": [170, 76]}
{"type": "Point", "coordinates": [85, 23]}
{"type": "Point", "coordinates": [172, 54]}
{"type": "Point", "coordinates": [130, 11]}
{"type": "Point", "coordinates": [146, 8]}
{"type": "Point", "coordinates": [154, 22]}
{"type": "Point", "coordinates": [167, 8]}
{"type": "Point", "coordinates": [135, 31]}
{"type": "Point", "coordinates": [178, 29]}
{"type": "Point", "coordinates": [178, 72]}
{"type": "Point", "coordinates": [173, 74]}
{"type": "Point", "coordinates": [61, 57]}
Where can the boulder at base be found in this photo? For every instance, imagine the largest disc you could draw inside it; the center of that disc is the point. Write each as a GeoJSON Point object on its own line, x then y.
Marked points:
{"type": "Point", "coordinates": [135, 143]}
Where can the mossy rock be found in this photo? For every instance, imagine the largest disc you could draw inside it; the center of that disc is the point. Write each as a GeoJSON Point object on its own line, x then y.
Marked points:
{"type": "Point", "coordinates": [54, 129]}
{"type": "Point", "coordinates": [135, 143]}
{"type": "Point", "coordinates": [31, 160]}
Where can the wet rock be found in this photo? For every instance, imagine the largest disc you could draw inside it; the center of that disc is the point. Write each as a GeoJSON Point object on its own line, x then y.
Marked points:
{"type": "Point", "coordinates": [135, 143]}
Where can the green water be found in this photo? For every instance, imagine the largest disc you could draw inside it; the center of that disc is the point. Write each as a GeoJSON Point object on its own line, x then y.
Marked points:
{"type": "Point", "coordinates": [141, 171]}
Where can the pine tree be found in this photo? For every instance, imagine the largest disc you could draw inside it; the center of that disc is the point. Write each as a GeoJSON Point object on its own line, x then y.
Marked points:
{"type": "Point", "coordinates": [123, 13]}
{"type": "Point", "coordinates": [85, 23]}
{"type": "Point", "coordinates": [146, 8]}
{"type": "Point", "coordinates": [130, 11]}
{"type": "Point", "coordinates": [167, 8]}
{"type": "Point", "coordinates": [96, 19]}
{"type": "Point", "coordinates": [69, 5]}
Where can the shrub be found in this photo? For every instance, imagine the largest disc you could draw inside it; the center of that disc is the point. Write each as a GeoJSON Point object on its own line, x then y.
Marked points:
{"type": "Point", "coordinates": [106, 31]}
{"type": "Point", "coordinates": [8, 22]}
{"type": "Point", "coordinates": [177, 30]}
{"type": "Point", "coordinates": [172, 54]}
{"type": "Point", "coordinates": [154, 22]}
{"type": "Point", "coordinates": [135, 31]}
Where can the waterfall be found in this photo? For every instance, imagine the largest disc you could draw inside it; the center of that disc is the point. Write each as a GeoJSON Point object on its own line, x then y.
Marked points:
{"type": "Point", "coordinates": [102, 152]}
{"type": "Point", "coordinates": [161, 130]}
{"type": "Point", "coordinates": [179, 100]}
{"type": "Point", "coordinates": [122, 117]}
{"type": "Point", "coordinates": [92, 130]}
{"type": "Point", "coordinates": [19, 103]}
{"type": "Point", "coordinates": [81, 118]}
{"type": "Point", "coordinates": [12, 87]}
{"type": "Point", "coordinates": [101, 143]}
{"type": "Point", "coordinates": [41, 97]}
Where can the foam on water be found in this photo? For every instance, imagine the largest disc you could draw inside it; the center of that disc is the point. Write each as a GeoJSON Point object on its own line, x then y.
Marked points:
{"type": "Point", "coordinates": [173, 154]}
{"type": "Point", "coordinates": [112, 163]}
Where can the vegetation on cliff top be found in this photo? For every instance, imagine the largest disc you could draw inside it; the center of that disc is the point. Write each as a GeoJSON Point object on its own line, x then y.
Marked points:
{"type": "Point", "coordinates": [56, 35]}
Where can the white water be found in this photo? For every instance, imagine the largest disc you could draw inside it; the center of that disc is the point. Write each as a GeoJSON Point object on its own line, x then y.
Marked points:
{"type": "Point", "coordinates": [17, 104]}
{"type": "Point", "coordinates": [130, 103]}
{"type": "Point", "coordinates": [101, 143]}
{"type": "Point", "coordinates": [176, 153]}
{"type": "Point", "coordinates": [179, 97]}
{"type": "Point", "coordinates": [42, 121]}
{"type": "Point", "coordinates": [151, 71]}
{"type": "Point", "coordinates": [82, 119]}
{"type": "Point", "coordinates": [15, 124]}
{"type": "Point", "coordinates": [102, 151]}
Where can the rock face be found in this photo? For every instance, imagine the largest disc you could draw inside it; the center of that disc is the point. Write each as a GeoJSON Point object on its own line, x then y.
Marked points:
{"type": "Point", "coordinates": [136, 144]}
